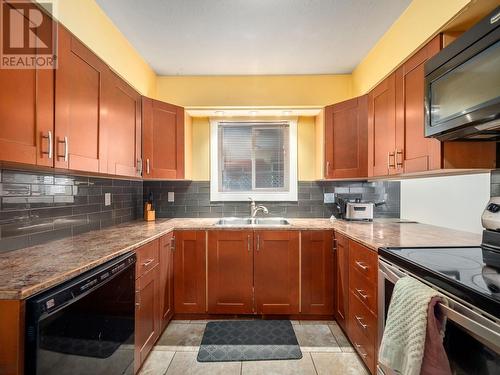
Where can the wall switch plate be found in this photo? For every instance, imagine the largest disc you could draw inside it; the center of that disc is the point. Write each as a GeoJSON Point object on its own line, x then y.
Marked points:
{"type": "Point", "coordinates": [329, 198]}
{"type": "Point", "coordinates": [170, 196]}
{"type": "Point", "coordinates": [107, 199]}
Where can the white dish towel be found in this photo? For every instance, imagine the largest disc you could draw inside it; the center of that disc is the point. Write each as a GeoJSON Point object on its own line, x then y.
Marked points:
{"type": "Point", "coordinates": [404, 339]}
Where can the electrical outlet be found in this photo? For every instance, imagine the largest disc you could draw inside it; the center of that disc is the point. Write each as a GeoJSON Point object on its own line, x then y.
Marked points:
{"type": "Point", "coordinates": [170, 196]}
{"type": "Point", "coordinates": [107, 199]}
{"type": "Point", "coordinates": [329, 198]}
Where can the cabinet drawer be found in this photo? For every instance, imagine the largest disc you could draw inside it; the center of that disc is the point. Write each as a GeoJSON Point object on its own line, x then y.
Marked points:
{"type": "Point", "coordinates": [365, 349]}
{"type": "Point", "coordinates": [363, 330]}
{"type": "Point", "coordinates": [364, 289]}
{"type": "Point", "coordinates": [148, 256]}
{"type": "Point", "coordinates": [363, 259]}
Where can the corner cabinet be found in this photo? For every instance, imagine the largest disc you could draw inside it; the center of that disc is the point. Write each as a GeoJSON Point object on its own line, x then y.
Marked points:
{"type": "Point", "coordinates": [163, 140]}
{"type": "Point", "coordinates": [190, 275]}
{"type": "Point", "coordinates": [341, 294]}
{"type": "Point", "coordinates": [317, 272]}
{"type": "Point", "coordinates": [346, 139]}
{"type": "Point", "coordinates": [122, 128]}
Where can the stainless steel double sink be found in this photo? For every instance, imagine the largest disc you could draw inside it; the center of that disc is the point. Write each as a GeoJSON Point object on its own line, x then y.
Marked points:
{"type": "Point", "coordinates": [248, 221]}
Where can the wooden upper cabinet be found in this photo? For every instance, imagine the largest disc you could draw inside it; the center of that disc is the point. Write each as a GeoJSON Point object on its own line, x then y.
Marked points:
{"type": "Point", "coordinates": [277, 271]}
{"type": "Point", "coordinates": [27, 114]}
{"type": "Point", "coordinates": [122, 128]}
{"type": "Point", "coordinates": [190, 272]}
{"type": "Point", "coordinates": [166, 279]}
{"type": "Point", "coordinates": [341, 293]}
{"type": "Point", "coordinates": [79, 107]}
{"type": "Point", "coordinates": [382, 128]}
{"type": "Point", "coordinates": [317, 257]}
{"type": "Point", "coordinates": [163, 139]}
{"type": "Point", "coordinates": [230, 272]}
{"type": "Point", "coordinates": [414, 152]}
{"type": "Point", "coordinates": [346, 139]}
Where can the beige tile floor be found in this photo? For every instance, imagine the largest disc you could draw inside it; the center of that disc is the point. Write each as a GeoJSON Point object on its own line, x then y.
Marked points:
{"type": "Point", "coordinates": [325, 351]}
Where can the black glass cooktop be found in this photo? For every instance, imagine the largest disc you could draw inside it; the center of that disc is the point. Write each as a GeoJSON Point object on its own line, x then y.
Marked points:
{"type": "Point", "coordinates": [469, 273]}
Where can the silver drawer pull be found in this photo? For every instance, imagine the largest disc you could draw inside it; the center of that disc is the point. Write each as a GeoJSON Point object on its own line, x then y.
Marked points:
{"type": "Point", "coordinates": [361, 265]}
{"type": "Point", "coordinates": [360, 322]}
{"type": "Point", "coordinates": [362, 293]}
{"type": "Point", "coordinates": [48, 137]}
{"type": "Point", "coordinates": [148, 262]}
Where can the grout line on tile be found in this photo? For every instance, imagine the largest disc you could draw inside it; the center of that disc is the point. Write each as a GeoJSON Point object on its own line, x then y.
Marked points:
{"type": "Point", "coordinates": [170, 364]}
{"type": "Point", "coordinates": [314, 364]}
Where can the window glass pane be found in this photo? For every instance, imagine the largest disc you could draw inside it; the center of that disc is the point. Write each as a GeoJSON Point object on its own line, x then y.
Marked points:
{"type": "Point", "coordinates": [269, 148]}
{"type": "Point", "coordinates": [253, 156]}
{"type": "Point", "coordinates": [236, 158]}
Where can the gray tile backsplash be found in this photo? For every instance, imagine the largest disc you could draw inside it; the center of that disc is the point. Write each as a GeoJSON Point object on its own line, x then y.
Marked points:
{"type": "Point", "coordinates": [38, 206]}
{"type": "Point", "coordinates": [192, 199]}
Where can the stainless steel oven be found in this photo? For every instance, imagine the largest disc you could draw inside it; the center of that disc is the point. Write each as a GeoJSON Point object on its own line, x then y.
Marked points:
{"type": "Point", "coordinates": [472, 340]}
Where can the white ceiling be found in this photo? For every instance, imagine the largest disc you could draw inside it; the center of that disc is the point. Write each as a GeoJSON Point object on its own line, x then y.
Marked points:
{"type": "Point", "coordinates": [247, 37]}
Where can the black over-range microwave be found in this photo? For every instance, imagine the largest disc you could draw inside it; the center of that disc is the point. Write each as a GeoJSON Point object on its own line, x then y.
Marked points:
{"type": "Point", "coordinates": [462, 85]}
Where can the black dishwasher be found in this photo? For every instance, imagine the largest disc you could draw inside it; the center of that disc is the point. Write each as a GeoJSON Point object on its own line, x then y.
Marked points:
{"type": "Point", "coordinates": [85, 325]}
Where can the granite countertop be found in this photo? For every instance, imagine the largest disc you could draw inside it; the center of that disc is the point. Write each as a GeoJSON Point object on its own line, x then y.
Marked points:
{"type": "Point", "coordinates": [28, 271]}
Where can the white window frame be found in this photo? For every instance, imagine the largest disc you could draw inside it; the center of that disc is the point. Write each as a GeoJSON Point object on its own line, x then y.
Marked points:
{"type": "Point", "coordinates": [262, 196]}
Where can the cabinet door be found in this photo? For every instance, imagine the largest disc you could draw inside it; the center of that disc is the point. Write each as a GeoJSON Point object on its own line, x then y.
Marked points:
{"type": "Point", "coordinates": [276, 272]}
{"type": "Point", "coordinates": [341, 280]}
{"type": "Point", "coordinates": [122, 128]}
{"type": "Point", "coordinates": [230, 272]}
{"type": "Point", "coordinates": [163, 137]}
{"type": "Point", "coordinates": [166, 279]}
{"type": "Point", "coordinates": [382, 129]}
{"type": "Point", "coordinates": [147, 314]}
{"type": "Point", "coordinates": [27, 114]}
{"type": "Point", "coordinates": [79, 106]}
{"type": "Point", "coordinates": [190, 272]}
{"type": "Point", "coordinates": [414, 152]}
{"type": "Point", "coordinates": [346, 139]}
{"type": "Point", "coordinates": [317, 261]}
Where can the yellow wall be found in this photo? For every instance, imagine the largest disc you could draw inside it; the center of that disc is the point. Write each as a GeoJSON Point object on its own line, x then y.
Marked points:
{"type": "Point", "coordinates": [320, 144]}
{"type": "Point", "coordinates": [200, 168]}
{"type": "Point", "coordinates": [275, 91]}
{"type": "Point", "coordinates": [91, 25]}
{"type": "Point", "coordinates": [418, 23]}
{"type": "Point", "coordinates": [306, 149]}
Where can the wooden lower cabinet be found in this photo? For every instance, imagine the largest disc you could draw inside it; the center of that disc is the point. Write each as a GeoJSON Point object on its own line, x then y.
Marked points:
{"type": "Point", "coordinates": [147, 314]}
{"type": "Point", "coordinates": [190, 272]}
{"type": "Point", "coordinates": [166, 279]}
{"type": "Point", "coordinates": [362, 324]}
{"type": "Point", "coordinates": [276, 272]}
{"type": "Point", "coordinates": [12, 337]}
{"type": "Point", "coordinates": [317, 276]}
{"type": "Point", "coordinates": [341, 273]}
{"type": "Point", "coordinates": [230, 272]}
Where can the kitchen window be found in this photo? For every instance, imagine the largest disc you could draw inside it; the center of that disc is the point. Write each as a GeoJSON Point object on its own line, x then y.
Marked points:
{"type": "Point", "coordinates": [255, 159]}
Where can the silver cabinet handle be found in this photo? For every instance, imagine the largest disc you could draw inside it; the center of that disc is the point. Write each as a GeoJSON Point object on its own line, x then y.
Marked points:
{"type": "Point", "coordinates": [389, 156]}
{"type": "Point", "coordinates": [361, 265]}
{"type": "Point", "coordinates": [66, 148]}
{"type": "Point", "coordinates": [258, 242]}
{"type": "Point", "coordinates": [248, 243]}
{"type": "Point", "coordinates": [360, 322]}
{"type": "Point", "coordinates": [362, 293]}
{"type": "Point", "coordinates": [147, 166]}
{"type": "Point", "coordinates": [139, 167]}
{"type": "Point", "coordinates": [334, 247]}
{"type": "Point", "coordinates": [172, 244]}
{"type": "Point", "coordinates": [399, 164]}
{"type": "Point", "coordinates": [148, 262]}
{"type": "Point", "coordinates": [49, 138]}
